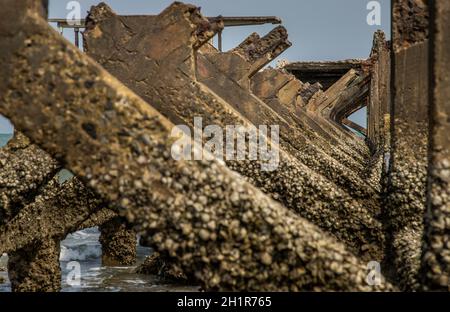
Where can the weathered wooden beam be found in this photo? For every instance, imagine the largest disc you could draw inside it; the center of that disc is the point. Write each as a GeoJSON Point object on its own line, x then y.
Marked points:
{"type": "Point", "coordinates": [281, 183]}
{"type": "Point", "coordinates": [326, 73]}
{"type": "Point", "coordinates": [308, 92]}
{"type": "Point", "coordinates": [98, 218]}
{"type": "Point", "coordinates": [36, 213]}
{"type": "Point", "coordinates": [242, 62]}
{"type": "Point", "coordinates": [344, 97]}
{"type": "Point", "coordinates": [379, 96]}
{"type": "Point", "coordinates": [246, 60]}
{"type": "Point", "coordinates": [258, 52]}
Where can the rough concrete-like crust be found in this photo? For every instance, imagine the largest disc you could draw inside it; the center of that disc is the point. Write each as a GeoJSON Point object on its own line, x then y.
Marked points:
{"type": "Point", "coordinates": [30, 220]}
{"type": "Point", "coordinates": [407, 245]}
{"type": "Point", "coordinates": [281, 92]}
{"type": "Point", "coordinates": [23, 169]}
{"type": "Point", "coordinates": [57, 211]}
{"type": "Point", "coordinates": [35, 268]}
{"type": "Point", "coordinates": [221, 253]}
{"type": "Point", "coordinates": [410, 24]}
{"type": "Point", "coordinates": [165, 269]}
{"type": "Point", "coordinates": [292, 137]}
{"type": "Point", "coordinates": [379, 97]}
{"type": "Point", "coordinates": [406, 189]}
{"type": "Point", "coordinates": [294, 184]}
{"type": "Point", "coordinates": [118, 243]}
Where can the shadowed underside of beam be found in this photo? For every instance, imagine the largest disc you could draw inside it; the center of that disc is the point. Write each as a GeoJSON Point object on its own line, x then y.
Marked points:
{"type": "Point", "coordinates": [326, 73]}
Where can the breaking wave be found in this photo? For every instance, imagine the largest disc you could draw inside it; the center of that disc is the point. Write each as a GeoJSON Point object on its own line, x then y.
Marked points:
{"type": "Point", "coordinates": [81, 246]}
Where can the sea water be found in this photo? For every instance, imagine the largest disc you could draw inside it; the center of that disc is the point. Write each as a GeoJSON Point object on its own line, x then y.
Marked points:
{"type": "Point", "coordinates": [4, 138]}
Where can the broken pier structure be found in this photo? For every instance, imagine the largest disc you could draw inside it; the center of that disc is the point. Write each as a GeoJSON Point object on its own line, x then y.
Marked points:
{"type": "Point", "coordinates": [335, 202]}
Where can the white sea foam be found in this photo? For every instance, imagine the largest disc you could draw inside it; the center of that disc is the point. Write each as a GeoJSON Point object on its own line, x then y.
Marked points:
{"type": "Point", "coordinates": [83, 253]}
{"type": "Point", "coordinates": [81, 246]}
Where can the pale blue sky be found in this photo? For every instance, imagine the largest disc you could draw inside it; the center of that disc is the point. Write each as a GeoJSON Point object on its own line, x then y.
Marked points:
{"type": "Point", "coordinates": [318, 29]}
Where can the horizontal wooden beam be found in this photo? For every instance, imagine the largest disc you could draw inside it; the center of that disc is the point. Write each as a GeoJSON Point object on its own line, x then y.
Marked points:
{"type": "Point", "coordinates": [347, 122]}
